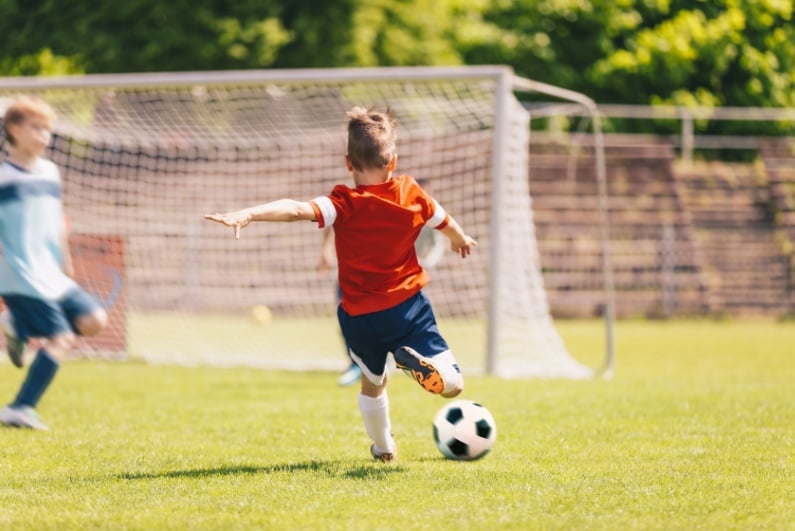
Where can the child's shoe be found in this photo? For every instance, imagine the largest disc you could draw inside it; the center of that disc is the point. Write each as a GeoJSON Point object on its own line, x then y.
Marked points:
{"type": "Point", "coordinates": [14, 346]}
{"type": "Point", "coordinates": [422, 369]}
{"type": "Point", "coordinates": [22, 417]}
{"type": "Point", "coordinates": [386, 457]}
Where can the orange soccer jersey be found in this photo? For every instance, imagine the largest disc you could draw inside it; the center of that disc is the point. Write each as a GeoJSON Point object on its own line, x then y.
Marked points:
{"type": "Point", "coordinates": [374, 232]}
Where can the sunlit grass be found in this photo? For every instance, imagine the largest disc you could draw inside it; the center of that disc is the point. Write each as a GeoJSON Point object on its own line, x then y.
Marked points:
{"type": "Point", "coordinates": [695, 431]}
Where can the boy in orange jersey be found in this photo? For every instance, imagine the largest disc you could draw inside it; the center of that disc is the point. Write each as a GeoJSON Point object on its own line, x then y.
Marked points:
{"type": "Point", "coordinates": [382, 308]}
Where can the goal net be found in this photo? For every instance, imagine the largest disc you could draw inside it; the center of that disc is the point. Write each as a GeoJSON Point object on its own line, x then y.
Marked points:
{"type": "Point", "coordinates": [144, 156]}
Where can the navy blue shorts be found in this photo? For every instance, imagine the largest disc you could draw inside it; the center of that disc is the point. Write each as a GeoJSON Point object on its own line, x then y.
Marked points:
{"type": "Point", "coordinates": [373, 336]}
{"type": "Point", "coordinates": [35, 317]}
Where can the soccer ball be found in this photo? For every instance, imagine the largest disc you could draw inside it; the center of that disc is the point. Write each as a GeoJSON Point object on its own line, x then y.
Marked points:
{"type": "Point", "coordinates": [464, 430]}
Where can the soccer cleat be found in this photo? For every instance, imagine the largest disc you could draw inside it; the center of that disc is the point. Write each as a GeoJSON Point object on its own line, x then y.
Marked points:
{"type": "Point", "coordinates": [350, 376]}
{"type": "Point", "coordinates": [14, 346]}
{"type": "Point", "coordinates": [22, 417]}
{"type": "Point", "coordinates": [420, 368]}
{"type": "Point", "coordinates": [386, 457]}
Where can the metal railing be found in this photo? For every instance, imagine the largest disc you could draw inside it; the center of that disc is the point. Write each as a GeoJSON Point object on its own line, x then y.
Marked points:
{"type": "Point", "coordinates": [687, 141]}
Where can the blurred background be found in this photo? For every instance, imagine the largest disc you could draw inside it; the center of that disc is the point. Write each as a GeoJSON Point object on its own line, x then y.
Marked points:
{"type": "Point", "coordinates": [698, 101]}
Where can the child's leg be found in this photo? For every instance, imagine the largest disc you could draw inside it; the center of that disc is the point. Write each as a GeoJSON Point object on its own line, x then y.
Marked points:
{"type": "Point", "coordinates": [370, 354]}
{"type": "Point", "coordinates": [374, 407]}
{"type": "Point", "coordinates": [438, 374]}
{"type": "Point", "coordinates": [91, 324]}
{"type": "Point", "coordinates": [421, 351]}
{"type": "Point", "coordinates": [75, 311]}
{"type": "Point", "coordinates": [42, 371]}
{"type": "Point", "coordinates": [85, 314]}
{"type": "Point", "coordinates": [56, 321]}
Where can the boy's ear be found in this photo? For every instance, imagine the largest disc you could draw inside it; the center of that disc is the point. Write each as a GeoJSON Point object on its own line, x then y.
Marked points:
{"type": "Point", "coordinates": [11, 133]}
{"type": "Point", "coordinates": [392, 163]}
{"type": "Point", "coordinates": [348, 163]}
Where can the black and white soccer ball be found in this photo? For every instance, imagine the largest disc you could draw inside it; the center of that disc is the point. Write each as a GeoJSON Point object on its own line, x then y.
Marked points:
{"type": "Point", "coordinates": [464, 430]}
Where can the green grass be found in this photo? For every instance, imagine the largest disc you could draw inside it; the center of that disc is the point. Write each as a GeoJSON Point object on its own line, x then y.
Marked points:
{"type": "Point", "coordinates": [695, 431]}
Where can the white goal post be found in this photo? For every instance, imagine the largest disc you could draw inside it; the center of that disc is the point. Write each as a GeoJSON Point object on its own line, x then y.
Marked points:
{"type": "Point", "coordinates": [144, 156]}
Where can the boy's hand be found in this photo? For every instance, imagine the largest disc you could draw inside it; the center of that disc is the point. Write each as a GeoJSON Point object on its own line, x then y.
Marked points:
{"type": "Point", "coordinates": [463, 247]}
{"type": "Point", "coordinates": [237, 220]}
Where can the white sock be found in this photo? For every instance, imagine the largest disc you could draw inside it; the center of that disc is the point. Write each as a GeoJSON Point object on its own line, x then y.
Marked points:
{"type": "Point", "coordinates": [375, 413]}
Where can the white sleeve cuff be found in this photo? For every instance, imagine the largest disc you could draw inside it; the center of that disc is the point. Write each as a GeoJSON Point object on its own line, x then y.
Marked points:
{"type": "Point", "coordinates": [327, 211]}
{"type": "Point", "coordinates": [438, 217]}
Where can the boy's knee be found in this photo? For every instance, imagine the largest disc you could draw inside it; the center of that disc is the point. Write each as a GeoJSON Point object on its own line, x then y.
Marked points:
{"type": "Point", "coordinates": [93, 323]}
{"type": "Point", "coordinates": [373, 389]}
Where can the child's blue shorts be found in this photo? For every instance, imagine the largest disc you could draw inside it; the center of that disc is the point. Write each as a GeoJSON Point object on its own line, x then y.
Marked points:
{"type": "Point", "coordinates": [373, 336]}
{"type": "Point", "coordinates": [34, 317]}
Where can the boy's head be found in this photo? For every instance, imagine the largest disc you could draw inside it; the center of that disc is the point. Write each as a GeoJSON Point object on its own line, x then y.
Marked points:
{"type": "Point", "coordinates": [24, 110]}
{"type": "Point", "coordinates": [371, 138]}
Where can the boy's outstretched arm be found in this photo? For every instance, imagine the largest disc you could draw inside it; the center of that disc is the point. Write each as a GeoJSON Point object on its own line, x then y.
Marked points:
{"type": "Point", "coordinates": [280, 210]}
{"type": "Point", "coordinates": [460, 242]}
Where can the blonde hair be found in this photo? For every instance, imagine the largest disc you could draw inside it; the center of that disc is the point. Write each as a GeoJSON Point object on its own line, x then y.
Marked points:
{"type": "Point", "coordinates": [24, 107]}
{"type": "Point", "coordinates": [371, 138]}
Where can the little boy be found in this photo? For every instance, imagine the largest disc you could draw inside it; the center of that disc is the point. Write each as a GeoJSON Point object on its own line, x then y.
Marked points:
{"type": "Point", "coordinates": [41, 298]}
{"type": "Point", "coordinates": [382, 308]}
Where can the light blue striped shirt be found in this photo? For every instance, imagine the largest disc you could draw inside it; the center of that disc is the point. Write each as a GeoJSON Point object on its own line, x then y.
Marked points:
{"type": "Point", "coordinates": [31, 232]}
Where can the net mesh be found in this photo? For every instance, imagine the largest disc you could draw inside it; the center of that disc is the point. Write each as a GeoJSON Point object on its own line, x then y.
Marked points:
{"type": "Point", "coordinates": [141, 165]}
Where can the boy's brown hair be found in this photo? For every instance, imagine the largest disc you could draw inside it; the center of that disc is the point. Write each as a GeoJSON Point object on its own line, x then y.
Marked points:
{"type": "Point", "coordinates": [24, 107]}
{"type": "Point", "coordinates": [371, 138]}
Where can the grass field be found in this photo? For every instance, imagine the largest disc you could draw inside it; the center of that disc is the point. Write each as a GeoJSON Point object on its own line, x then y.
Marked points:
{"type": "Point", "coordinates": [695, 431]}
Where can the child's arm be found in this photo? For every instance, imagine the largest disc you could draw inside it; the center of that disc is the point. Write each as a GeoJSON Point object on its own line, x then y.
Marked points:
{"type": "Point", "coordinates": [460, 242]}
{"type": "Point", "coordinates": [280, 210]}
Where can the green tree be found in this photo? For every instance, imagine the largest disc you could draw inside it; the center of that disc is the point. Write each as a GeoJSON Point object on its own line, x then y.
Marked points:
{"type": "Point", "coordinates": [49, 37]}
{"type": "Point", "coordinates": [717, 52]}
{"type": "Point", "coordinates": [721, 52]}
{"type": "Point", "coordinates": [141, 35]}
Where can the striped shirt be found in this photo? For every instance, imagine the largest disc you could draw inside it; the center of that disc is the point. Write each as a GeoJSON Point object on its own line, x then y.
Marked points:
{"type": "Point", "coordinates": [31, 232]}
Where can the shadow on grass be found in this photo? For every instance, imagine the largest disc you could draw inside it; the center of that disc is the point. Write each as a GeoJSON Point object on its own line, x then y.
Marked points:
{"type": "Point", "coordinates": [328, 468]}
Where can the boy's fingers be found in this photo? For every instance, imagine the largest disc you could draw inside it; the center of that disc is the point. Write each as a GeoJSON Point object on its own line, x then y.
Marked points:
{"type": "Point", "coordinates": [222, 218]}
{"type": "Point", "coordinates": [216, 217]}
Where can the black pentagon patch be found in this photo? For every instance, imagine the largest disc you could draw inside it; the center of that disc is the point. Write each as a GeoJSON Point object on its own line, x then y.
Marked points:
{"type": "Point", "coordinates": [436, 434]}
{"type": "Point", "coordinates": [483, 428]}
{"type": "Point", "coordinates": [454, 415]}
{"type": "Point", "coordinates": [458, 448]}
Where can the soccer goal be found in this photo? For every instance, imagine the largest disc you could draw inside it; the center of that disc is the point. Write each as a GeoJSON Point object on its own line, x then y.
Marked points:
{"type": "Point", "coordinates": [144, 156]}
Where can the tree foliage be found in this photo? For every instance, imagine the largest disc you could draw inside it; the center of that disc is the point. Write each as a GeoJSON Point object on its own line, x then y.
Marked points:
{"type": "Point", "coordinates": [138, 35]}
{"type": "Point", "coordinates": [716, 52]}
